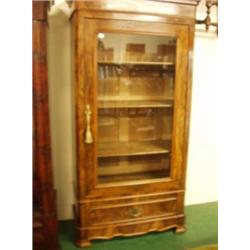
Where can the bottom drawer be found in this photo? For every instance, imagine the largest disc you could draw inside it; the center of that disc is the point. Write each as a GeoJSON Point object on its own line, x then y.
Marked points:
{"type": "Point", "coordinates": [133, 211]}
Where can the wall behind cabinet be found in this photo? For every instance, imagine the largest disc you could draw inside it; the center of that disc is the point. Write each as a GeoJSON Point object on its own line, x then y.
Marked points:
{"type": "Point", "coordinates": [201, 170]}
{"type": "Point", "coordinates": [201, 175]}
{"type": "Point", "coordinates": [61, 108]}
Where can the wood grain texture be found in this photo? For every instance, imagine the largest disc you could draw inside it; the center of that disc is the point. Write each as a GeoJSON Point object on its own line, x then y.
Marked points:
{"type": "Point", "coordinates": [143, 17]}
{"type": "Point", "coordinates": [132, 207]}
{"type": "Point", "coordinates": [184, 8]}
{"type": "Point", "coordinates": [45, 229]}
{"type": "Point", "coordinates": [131, 228]}
{"type": "Point", "coordinates": [39, 10]}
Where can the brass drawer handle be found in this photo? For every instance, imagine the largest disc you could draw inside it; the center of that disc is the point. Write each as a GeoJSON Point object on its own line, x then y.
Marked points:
{"type": "Point", "coordinates": [135, 212]}
{"type": "Point", "coordinates": [88, 134]}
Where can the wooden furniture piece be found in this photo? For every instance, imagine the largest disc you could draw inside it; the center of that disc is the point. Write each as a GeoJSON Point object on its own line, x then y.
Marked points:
{"type": "Point", "coordinates": [207, 21]}
{"type": "Point", "coordinates": [132, 66]}
{"type": "Point", "coordinates": [45, 229]}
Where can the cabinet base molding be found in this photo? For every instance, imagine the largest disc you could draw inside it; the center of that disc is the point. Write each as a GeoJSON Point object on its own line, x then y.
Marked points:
{"type": "Point", "coordinates": [85, 234]}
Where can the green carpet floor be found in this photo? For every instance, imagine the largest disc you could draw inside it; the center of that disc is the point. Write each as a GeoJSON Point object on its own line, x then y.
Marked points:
{"type": "Point", "coordinates": [202, 229]}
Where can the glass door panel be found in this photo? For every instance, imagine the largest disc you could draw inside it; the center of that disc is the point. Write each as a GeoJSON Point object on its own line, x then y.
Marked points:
{"type": "Point", "coordinates": [135, 106]}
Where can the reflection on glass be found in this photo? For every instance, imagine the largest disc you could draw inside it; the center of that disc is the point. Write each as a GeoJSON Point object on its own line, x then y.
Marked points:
{"type": "Point", "coordinates": [135, 106]}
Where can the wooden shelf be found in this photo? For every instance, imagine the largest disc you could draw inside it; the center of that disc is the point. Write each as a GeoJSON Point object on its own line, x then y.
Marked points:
{"type": "Point", "coordinates": [134, 177]}
{"type": "Point", "coordinates": [135, 104]}
{"type": "Point", "coordinates": [116, 149]}
{"type": "Point", "coordinates": [135, 63]}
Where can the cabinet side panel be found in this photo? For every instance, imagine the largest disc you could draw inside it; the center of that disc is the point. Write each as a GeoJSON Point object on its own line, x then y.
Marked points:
{"type": "Point", "coordinates": [77, 40]}
{"type": "Point", "coordinates": [188, 101]}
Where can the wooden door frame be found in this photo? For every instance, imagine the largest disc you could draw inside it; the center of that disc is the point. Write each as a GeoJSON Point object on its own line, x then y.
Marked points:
{"type": "Point", "coordinates": [86, 152]}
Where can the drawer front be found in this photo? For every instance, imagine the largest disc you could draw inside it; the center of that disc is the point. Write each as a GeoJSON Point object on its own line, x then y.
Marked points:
{"type": "Point", "coordinates": [133, 211]}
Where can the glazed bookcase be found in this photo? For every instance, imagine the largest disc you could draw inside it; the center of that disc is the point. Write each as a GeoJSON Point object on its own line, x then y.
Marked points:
{"type": "Point", "coordinates": [132, 65]}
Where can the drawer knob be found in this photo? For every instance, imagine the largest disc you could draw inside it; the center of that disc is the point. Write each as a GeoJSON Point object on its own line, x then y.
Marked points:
{"type": "Point", "coordinates": [135, 212]}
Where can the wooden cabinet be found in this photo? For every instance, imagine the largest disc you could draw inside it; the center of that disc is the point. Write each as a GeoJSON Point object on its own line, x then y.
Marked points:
{"type": "Point", "coordinates": [132, 66]}
{"type": "Point", "coordinates": [45, 227]}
